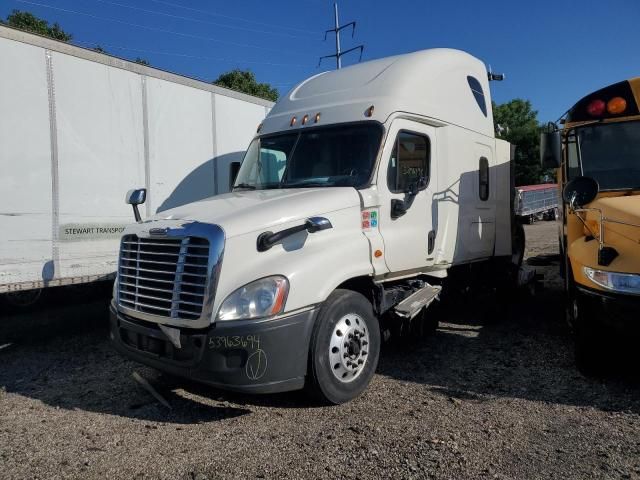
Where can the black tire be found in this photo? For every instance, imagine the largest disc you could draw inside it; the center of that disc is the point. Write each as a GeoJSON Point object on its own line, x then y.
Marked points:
{"type": "Point", "coordinates": [425, 323]}
{"type": "Point", "coordinates": [322, 384]}
{"type": "Point", "coordinates": [591, 342]}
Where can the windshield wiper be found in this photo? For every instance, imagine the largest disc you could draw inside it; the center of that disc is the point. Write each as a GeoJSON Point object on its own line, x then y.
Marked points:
{"type": "Point", "coordinates": [245, 185]}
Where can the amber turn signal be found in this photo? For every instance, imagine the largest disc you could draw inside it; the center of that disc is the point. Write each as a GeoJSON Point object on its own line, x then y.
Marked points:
{"type": "Point", "coordinates": [293, 121]}
{"type": "Point", "coordinates": [377, 253]}
{"type": "Point", "coordinates": [616, 105]}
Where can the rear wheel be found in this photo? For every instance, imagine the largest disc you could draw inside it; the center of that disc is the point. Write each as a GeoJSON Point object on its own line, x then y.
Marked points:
{"type": "Point", "coordinates": [344, 350]}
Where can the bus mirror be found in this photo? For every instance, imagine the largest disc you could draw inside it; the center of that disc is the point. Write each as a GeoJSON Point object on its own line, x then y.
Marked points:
{"type": "Point", "coordinates": [550, 149]}
{"type": "Point", "coordinates": [580, 191]}
{"type": "Point", "coordinates": [234, 168]}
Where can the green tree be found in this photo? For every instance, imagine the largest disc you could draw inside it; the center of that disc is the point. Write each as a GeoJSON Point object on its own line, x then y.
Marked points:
{"type": "Point", "coordinates": [245, 81]}
{"type": "Point", "coordinates": [30, 23]}
{"type": "Point", "coordinates": [517, 123]}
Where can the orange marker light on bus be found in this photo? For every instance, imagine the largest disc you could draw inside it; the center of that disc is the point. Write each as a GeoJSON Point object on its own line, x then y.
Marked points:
{"type": "Point", "coordinates": [317, 119]}
{"type": "Point", "coordinates": [616, 105]}
{"type": "Point", "coordinates": [305, 119]}
{"type": "Point", "coordinates": [377, 253]}
{"type": "Point", "coordinates": [293, 121]}
{"type": "Point", "coordinates": [369, 111]}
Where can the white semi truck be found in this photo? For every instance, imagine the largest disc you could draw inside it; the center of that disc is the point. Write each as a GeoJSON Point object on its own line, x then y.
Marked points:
{"type": "Point", "coordinates": [76, 128]}
{"type": "Point", "coordinates": [363, 189]}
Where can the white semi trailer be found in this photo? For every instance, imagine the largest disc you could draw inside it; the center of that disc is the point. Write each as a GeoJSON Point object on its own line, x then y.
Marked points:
{"type": "Point", "coordinates": [77, 129]}
{"type": "Point", "coordinates": [364, 189]}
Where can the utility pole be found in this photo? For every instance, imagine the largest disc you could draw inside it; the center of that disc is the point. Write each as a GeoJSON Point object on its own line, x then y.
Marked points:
{"type": "Point", "coordinates": [337, 29]}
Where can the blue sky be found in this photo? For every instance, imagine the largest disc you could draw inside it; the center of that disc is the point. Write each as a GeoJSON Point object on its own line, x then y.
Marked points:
{"type": "Point", "coordinates": [553, 51]}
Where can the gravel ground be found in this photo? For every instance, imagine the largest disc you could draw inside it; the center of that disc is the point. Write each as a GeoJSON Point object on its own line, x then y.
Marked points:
{"type": "Point", "coordinates": [493, 394]}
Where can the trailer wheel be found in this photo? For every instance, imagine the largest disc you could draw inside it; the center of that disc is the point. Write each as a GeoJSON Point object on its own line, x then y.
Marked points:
{"type": "Point", "coordinates": [344, 350]}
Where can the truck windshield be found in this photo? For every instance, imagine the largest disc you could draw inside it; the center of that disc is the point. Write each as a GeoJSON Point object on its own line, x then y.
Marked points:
{"type": "Point", "coordinates": [608, 153]}
{"type": "Point", "coordinates": [337, 156]}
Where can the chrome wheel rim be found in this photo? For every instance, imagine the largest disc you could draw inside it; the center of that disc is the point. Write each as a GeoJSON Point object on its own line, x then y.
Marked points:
{"type": "Point", "coordinates": [349, 348]}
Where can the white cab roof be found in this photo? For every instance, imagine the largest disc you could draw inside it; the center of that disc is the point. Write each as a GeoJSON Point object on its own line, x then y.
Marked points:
{"type": "Point", "coordinates": [431, 83]}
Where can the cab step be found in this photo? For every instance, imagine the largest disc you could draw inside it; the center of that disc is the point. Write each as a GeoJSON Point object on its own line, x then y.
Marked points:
{"type": "Point", "coordinates": [411, 306]}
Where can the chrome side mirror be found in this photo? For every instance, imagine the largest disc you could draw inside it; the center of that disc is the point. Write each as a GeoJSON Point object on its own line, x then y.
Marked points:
{"type": "Point", "coordinates": [134, 198]}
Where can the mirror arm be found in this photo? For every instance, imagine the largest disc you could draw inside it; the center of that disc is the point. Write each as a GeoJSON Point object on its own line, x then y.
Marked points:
{"type": "Point", "coordinates": [136, 213]}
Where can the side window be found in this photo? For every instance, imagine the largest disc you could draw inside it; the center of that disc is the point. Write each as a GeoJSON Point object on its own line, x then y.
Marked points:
{"type": "Point", "coordinates": [573, 167]}
{"type": "Point", "coordinates": [478, 93]}
{"type": "Point", "coordinates": [483, 179]}
{"type": "Point", "coordinates": [409, 161]}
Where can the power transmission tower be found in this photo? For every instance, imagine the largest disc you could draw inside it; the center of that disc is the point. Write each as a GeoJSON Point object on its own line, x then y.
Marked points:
{"type": "Point", "coordinates": [337, 29]}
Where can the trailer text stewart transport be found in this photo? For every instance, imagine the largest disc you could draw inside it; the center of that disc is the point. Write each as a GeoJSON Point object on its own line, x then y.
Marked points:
{"type": "Point", "coordinates": [76, 128]}
{"type": "Point", "coordinates": [363, 190]}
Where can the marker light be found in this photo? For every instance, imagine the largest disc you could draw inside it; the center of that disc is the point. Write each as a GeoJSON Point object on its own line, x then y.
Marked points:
{"type": "Point", "coordinates": [377, 253]}
{"type": "Point", "coordinates": [616, 105]}
{"type": "Point", "coordinates": [317, 119]}
{"type": "Point", "coordinates": [369, 111]}
{"type": "Point", "coordinates": [293, 121]}
{"type": "Point", "coordinates": [596, 108]}
{"type": "Point", "coordinates": [259, 128]}
{"type": "Point", "coordinates": [305, 119]}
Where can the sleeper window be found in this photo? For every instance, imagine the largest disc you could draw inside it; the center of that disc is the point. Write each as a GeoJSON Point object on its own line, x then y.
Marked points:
{"type": "Point", "coordinates": [409, 161]}
{"type": "Point", "coordinates": [478, 94]}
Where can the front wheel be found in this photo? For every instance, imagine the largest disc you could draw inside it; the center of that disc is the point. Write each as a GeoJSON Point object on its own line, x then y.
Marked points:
{"type": "Point", "coordinates": [344, 350]}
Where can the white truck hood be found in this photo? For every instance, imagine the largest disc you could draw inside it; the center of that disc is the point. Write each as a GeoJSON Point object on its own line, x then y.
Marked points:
{"type": "Point", "coordinates": [251, 210]}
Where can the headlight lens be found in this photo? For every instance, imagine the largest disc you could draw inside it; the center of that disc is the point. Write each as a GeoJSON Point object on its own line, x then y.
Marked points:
{"type": "Point", "coordinates": [263, 298]}
{"type": "Point", "coordinates": [617, 282]}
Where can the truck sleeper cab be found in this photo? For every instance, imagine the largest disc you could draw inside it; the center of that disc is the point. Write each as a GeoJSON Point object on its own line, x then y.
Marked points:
{"type": "Point", "coordinates": [363, 187]}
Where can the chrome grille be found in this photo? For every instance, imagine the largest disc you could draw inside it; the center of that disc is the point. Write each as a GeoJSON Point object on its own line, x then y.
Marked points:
{"type": "Point", "coordinates": [163, 276]}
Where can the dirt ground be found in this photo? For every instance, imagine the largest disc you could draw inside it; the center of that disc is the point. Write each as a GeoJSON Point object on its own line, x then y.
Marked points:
{"type": "Point", "coordinates": [493, 394]}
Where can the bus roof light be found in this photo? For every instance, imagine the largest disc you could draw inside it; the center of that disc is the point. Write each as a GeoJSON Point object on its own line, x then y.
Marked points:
{"type": "Point", "coordinates": [596, 107]}
{"type": "Point", "coordinates": [616, 105]}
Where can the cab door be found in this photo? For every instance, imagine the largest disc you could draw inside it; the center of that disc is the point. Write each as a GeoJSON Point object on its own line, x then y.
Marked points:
{"type": "Point", "coordinates": [406, 183]}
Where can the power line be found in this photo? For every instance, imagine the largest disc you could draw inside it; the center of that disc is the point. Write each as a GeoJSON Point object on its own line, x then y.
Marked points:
{"type": "Point", "coordinates": [176, 5]}
{"type": "Point", "coordinates": [161, 30]}
{"type": "Point", "coordinates": [187, 55]}
{"type": "Point", "coordinates": [207, 22]}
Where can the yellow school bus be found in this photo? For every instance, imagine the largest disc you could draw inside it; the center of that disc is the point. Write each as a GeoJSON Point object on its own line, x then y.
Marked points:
{"type": "Point", "coordinates": [597, 154]}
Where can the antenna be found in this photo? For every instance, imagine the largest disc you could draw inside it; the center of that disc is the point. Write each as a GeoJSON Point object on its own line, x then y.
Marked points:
{"type": "Point", "coordinates": [337, 29]}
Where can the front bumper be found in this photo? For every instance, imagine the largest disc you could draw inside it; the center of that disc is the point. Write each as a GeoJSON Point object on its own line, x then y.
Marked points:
{"type": "Point", "coordinates": [248, 356]}
{"type": "Point", "coordinates": [617, 312]}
